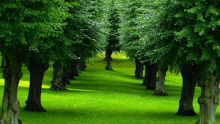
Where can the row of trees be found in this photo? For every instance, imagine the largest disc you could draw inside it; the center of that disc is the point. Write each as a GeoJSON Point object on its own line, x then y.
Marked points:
{"type": "Point", "coordinates": [181, 35]}
{"type": "Point", "coordinates": [37, 33]}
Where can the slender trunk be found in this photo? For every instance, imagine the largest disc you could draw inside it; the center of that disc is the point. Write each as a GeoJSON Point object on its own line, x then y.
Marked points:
{"type": "Point", "coordinates": [57, 83]}
{"type": "Point", "coordinates": [108, 56]}
{"type": "Point", "coordinates": [139, 69]}
{"type": "Point", "coordinates": [65, 75]}
{"type": "Point", "coordinates": [3, 63]}
{"type": "Point", "coordinates": [160, 88]}
{"type": "Point", "coordinates": [82, 66]}
{"type": "Point", "coordinates": [10, 104]}
{"type": "Point", "coordinates": [190, 77]}
{"type": "Point", "coordinates": [208, 100]}
{"type": "Point", "coordinates": [147, 74]}
{"type": "Point", "coordinates": [37, 70]}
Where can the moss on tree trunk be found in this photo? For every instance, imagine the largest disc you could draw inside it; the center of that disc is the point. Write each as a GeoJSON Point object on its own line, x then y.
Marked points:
{"type": "Point", "coordinates": [108, 57]}
{"type": "Point", "coordinates": [190, 77]}
{"type": "Point", "coordinates": [139, 69]}
{"type": "Point", "coordinates": [208, 100]}
{"type": "Point", "coordinates": [10, 105]}
{"type": "Point", "coordinates": [160, 84]}
{"type": "Point", "coordinates": [57, 83]}
{"type": "Point", "coordinates": [37, 70]}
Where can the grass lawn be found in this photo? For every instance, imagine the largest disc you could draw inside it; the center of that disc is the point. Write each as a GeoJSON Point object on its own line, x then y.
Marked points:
{"type": "Point", "coordinates": [99, 96]}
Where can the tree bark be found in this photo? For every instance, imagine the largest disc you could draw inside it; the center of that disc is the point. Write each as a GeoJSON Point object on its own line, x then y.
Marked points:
{"type": "Point", "coordinates": [82, 66]}
{"type": "Point", "coordinates": [160, 85]}
{"type": "Point", "coordinates": [139, 69]}
{"type": "Point", "coordinates": [65, 75]}
{"type": "Point", "coordinates": [105, 59]}
{"type": "Point", "coordinates": [73, 70]}
{"type": "Point", "coordinates": [147, 73]}
{"type": "Point", "coordinates": [208, 100]}
{"type": "Point", "coordinates": [57, 83]}
{"type": "Point", "coordinates": [3, 63]}
{"type": "Point", "coordinates": [190, 77]}
{"type": "Point", "coordinates": [150, 76]}
{"type": "Point", "coordinates": [10, 104]}
{"type": "Point", "coordinates": [108, 57]}
{"type": "Point", "coordinates": [37, 70]}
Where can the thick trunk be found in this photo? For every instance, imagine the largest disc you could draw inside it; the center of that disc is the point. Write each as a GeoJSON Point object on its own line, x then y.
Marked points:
{"type": "Point", "coordinates": [57, 83]}
{"type": "Point", "coordinates": [139, 69]}
{"type": "Point", "coordinates": [65, 75]}
{"type": "Point", "coordinates": [37, 70]}
{"type": "Point", "coordinates": [108, 57]}
{"type": "Point", "coordinates": [190, 77]}
{"type": "Point", "coordinates": [160, 88]}
{"type": "Point", "coordinates": [74, 71]}
{"type": "Point", "coordinates": [150, 76]}
{"type": "Point", "coordinates": [147, 74]}
{"type": "Point", "coordinates": [82, 66]}
{"type": "Point", "coordinates": [105, 59]}
{"type": "Point", "coordinates": [208, 100]}
{"type": "Point", "coordinates": [3, 63]}
{"type": "Point", "coordinates": [10, 105]}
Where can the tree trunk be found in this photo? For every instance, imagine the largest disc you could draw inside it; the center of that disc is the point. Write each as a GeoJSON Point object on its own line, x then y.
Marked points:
{"type": "Point", "coordinates": [208, 100]}
{"type": "Point", "coordinates": [190, 77]}
{"type": "Point", "coordinates": [65, 75]}
{"type": "Point", "coordinates": [37, 70]}
{"type": "Point", "coordinates": [160, 88]}
{"type": "Point", "coordinates": [70, 71]}
{"type": "Point", "coordinates": [108, 56]}
{"type": "Point", "coordinates": [105, 59]}
{"type": "Point", "coordinates": [10, 104]}
{"type": "Point", "coordinates": [139, 69]}
{"type": "Point", "coordinates": [73, 69]}
{"type": "Point", "coordinates": [57, 83]}
{"type": "Point", "coordinates": [3, 63]}
{"type": "Point", "coordinates": [147, 74]}
{"type": "Point", "coordinates": [82, 66]}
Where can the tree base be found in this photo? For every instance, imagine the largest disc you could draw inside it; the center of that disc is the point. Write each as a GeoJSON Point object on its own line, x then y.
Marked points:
{"type": "Point", "coordinates": [159, 93]}
{"type": "Point", "coordinates": [107, 68]}
{"type": "Point", "coordinates": [66, 82]}
{"type": "Point", "coordinates": [34, 107]}
{"type": "Point", "coordinates": [139, 77]}
{"type": "Point", "coordinates": [144, 83]}
{"type": "Point", "coordinates": [187, 113]}
{"type": "Point", "coordinates": [57, 88]}
{"type": "Point", "coordinates": [151, 88]}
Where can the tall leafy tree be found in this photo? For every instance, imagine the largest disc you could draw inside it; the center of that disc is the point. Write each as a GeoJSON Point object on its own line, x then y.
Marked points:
{"type": "Point", "coordinates": [113, 35]}
{"type": "Point", "coordinates": [24, 26]}
{"type": "Point", "coordinates": [187, 32]}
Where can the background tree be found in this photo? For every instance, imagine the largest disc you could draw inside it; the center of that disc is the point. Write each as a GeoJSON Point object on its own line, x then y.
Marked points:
{"type": "Point", "coordinates": [113, 35]}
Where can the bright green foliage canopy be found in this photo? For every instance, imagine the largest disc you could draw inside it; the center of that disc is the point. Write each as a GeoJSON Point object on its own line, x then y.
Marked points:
{"type": "Point", "coordinates": [30, 25]}
{"type": "Point", "coordinates": [183, 31]}
{"type": "Point", "coordinates": [130, 36]}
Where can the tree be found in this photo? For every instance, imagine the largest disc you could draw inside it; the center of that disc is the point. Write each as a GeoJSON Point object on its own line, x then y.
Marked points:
{"type": "Point", "coordinates": [187, 32]}
{"type": "Point", "coordinates": [113, 36]}
{"type": "Point", "coordinates": [130, 40]}
{"type": "Point", "coordinates": [24, 26]}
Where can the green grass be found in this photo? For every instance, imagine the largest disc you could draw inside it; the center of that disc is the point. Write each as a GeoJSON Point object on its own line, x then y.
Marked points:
{"type": "Point", "coordinates": [99, 96]}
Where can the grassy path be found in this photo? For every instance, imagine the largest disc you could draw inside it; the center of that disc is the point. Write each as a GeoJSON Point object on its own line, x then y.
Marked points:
{"type": "Point", "coordinates": [99, 96]}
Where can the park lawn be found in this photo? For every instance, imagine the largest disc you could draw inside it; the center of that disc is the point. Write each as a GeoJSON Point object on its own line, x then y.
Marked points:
{"type": "Point", "coordinates": [99, 96]}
